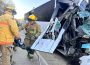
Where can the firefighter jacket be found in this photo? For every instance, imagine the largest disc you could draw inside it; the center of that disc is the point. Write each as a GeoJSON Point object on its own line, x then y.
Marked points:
{"type": "Point", "coordinates": [32, 29]}
{"type": "Point", "coordinates": [8, 29]}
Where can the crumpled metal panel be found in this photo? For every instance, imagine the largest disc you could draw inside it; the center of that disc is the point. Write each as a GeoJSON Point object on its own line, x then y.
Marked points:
{"type": "Point", "coordinates": [44, 45]}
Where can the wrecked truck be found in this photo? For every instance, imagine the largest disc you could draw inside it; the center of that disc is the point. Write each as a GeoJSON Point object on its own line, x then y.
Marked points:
{"type": "Point", "coordinates": [68, 31]}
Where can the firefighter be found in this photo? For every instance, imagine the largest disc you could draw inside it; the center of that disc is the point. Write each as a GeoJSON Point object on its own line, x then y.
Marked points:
{"type": "Point", "coordinates": [8, 31]}
{"type": "Point", "coordinates": [33, 30]}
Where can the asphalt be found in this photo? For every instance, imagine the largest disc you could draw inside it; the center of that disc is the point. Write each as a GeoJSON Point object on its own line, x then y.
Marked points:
{"type": "Point", "coordinates": [40, 58]}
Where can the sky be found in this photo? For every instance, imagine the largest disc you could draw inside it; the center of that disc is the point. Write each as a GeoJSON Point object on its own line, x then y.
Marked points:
{"type": "Point", "coordinates": [23, 6]}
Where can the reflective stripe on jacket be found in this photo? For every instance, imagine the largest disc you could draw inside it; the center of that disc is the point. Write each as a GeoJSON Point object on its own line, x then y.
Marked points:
{"type": "Point", "coordinates": [8, 29]}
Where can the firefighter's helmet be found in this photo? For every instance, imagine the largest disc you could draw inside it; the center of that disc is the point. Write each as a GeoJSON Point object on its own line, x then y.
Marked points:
{"type": "Point", "coordinates": [11, 7]}
{"type": "Point", "coordinates": [32, 17]}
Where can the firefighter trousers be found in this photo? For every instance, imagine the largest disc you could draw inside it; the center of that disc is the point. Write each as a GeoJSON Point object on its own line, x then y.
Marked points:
{"type": "Point", "coordinates": [6, 51]}
{"type": "Point", "coordinates": [28, 43]}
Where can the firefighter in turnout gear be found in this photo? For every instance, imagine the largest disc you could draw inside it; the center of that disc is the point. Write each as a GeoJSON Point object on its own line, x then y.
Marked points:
{"type": "Point", "coordinates": [8, 31]}
{"type": "Point", "coordinates": [33, 30]}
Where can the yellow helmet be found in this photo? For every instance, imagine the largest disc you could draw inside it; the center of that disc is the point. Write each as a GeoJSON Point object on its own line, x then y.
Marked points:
{"type": "Point", "coordinates": [32, 17]}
